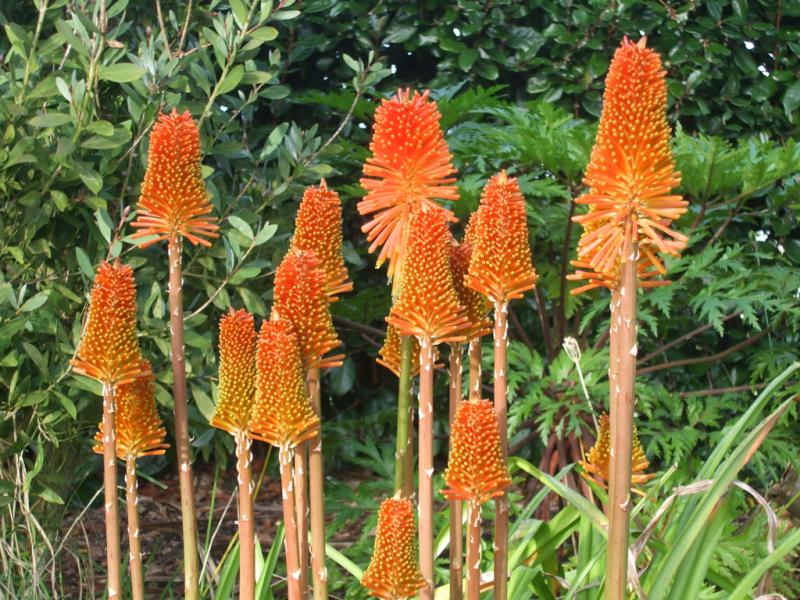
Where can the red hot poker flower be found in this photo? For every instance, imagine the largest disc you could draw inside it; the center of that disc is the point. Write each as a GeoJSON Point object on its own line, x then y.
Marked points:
{"type": "Point", "coordinates": [174, 201]}
{"type": "Point", "coordinates": [139, 429]}
{"type": "Point", "coordinates": [410, 167]}
{"type": "Point", "coordinates": [237, 371]}
{"type": "Point", "coordinates": [300, 298]}
{"type": "Point", "coordinates": [631, 172]}
{"type": "Point", "coordinates": [427, 306]}
{"type": "Point", "coordinates": [390, 352]}
{"type": "Point", "coordinates": [282, 414]}
{"type": "Point", "coordinates": [501, 266]}
{"type": "Point", "coordinates": [393, 572]}
{"type": "Point", "coordinates": [318, 229]}
{"type": "Point", "coordinates": [596, 463]}
{"type": "Point", "coordinates": [109, 350]}
{"type": "Point", "coordinates": [476, 471]}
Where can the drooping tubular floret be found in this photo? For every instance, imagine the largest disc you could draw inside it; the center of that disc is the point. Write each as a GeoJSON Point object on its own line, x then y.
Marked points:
{"type": "Point", "coordinates": [237, 371]}
{"type": "Point", "coordinates": [501, 267]}
{"type": "Point", "coordinates": [390, 352]}
{"type": "Point", "coordinates": [427, 306]}
{"type": "Point", "coordinates": [139, 429]}
{"type": "Point", "coordinates": [393, 572]}
{"type": "Point", "coordinates": [174, 201]}
{"type": "Point", "coordinates": [410, 168]}
{"type": "Point", "coordinates": [318, 229]}
{"type": "Point", "coordinates": [476, 471]}
{"type": "Point", "coordinates": [631, 175]}
{"type": "Point", "coordinates": [109, 350]}
{"type": "Point", "coordinates": [282, 414]}
{"type": "Point", "coordinates": [301, 299]}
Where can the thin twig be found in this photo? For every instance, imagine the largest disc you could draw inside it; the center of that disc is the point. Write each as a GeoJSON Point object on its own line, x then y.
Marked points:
{"type": "Point", "coordinates": [686, 336]}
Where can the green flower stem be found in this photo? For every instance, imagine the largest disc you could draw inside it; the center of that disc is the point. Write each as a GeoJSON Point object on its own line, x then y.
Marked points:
{"type": "Point", "coordinates": [404, 454]}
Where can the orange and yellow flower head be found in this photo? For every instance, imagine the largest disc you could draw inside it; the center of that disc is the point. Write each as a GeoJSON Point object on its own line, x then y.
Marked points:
{"type": "Point", "coordinates": [109, 350]}
{"type": "Point", "coordinates": [140, 431]}
{"type": "Point", "coordinates": [282, 414]}
{"type": "Point", "coordinates": [174, 201]}
{"type": "Point", "coordinates": [477, 304]}
{"type": "Point", "coordinates": [393, 572]}
{"type": "Point", "coordinates": [476, 471]}
{"type": "Point", "coordinates": [390, 352]}
{"type": "Point", "coordinates": [596, 463]}
{"type": "Point", "coordinates": [301, 299]}
{"type": "Point", "coordinates": [631, 175]}
{"type": "Point", "coordinates": [237, 371]}
{"type": "Point", "coordinates": [501, 267]}
{"type": "Point", "coordinates": [318, 229]}
{"type": "Point", "coordinates": [410, 168]}
{"type": "Point", "coordinates": [427, 306]}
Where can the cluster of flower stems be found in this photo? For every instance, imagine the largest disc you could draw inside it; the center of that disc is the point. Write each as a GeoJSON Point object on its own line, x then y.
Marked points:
{"type": "Point", "coordinates": [443, 292]}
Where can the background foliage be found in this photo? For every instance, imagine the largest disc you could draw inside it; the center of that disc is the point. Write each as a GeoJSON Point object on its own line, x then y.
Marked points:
{"type": "Point", "coordinates": [284, 93]}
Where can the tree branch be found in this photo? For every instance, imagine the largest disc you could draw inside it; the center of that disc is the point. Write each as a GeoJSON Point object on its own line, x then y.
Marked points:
{"type": "Point", "coordinates": [686, 336]}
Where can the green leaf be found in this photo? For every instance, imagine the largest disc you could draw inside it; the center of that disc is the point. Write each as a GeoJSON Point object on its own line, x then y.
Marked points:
{"type": "Point", "coordinates": [265, 233]}
{"type": "Point", "coordinates": [231, 80]}
{"type": "Point", "coordinates": [239, 13]}
{"type": "Point", "coordinates": [264, 34]}
{"type": "Point", "coordinates": [749, 581]}
{"type": "Point", "coordinates": [50, 120]}
{"type": "Point", "coordinates": [241, 226]}
{"type": "Point", "coordinates": [48, 495]}
{"type": "Point", "coordinates": [84, 263]}
{"type": "Point", "coordinates": [35, 302]}
{"type": "Point", "coordinates": [791, 98]}
{"type": "Point", "coordinates": [121, 72]}
{"type": "Point", "coordinates": [344, 562]}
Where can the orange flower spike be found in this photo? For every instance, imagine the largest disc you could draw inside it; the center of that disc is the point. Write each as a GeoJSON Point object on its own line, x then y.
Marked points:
{"type": "Point", "coordinates": [393, 572]}
{"type": "Point", "coordinates": [109, 350]}
{"type": "Point", "coordinates": [476, 303]}
{"type": "Point", "coordinates": [282, 414]}
{"type": "Point", "coordinates": [428, 306]}
{"type": "Point", "coordinates": [501, 266]}
{"type": "Point", "coordinates": [139, 429]}
{"type": "Point", "coordinates": [476, 471]}
{"type": "Point", "coordinates": [631, 172]}
{"type": "Point", "coordinates": [390, 352]}
{"type": "Point", "coordinates": [596, 463]}
{"type": "Point", "coordinates": [174, 201]}
{"type": "Point", "coordinates": [237, 371]}
{"type": "Point", "coordinates": [300, 297]}
{"type": "Point", "coordinates": [410, 167]}
{"type": "Point", "coordinates": [318, 229]}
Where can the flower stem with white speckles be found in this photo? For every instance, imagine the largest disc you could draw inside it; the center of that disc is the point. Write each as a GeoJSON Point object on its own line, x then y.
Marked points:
{"type": "Point", "coordinates": [456, 506]}
{"type": "Point", "coordinates": [501, 410]}
{"type": "Point", "coordinates": [473, 551]}
{"type": "Point", "coordinates": [317, 486]}
{"type": "Point", "coordinates": [425, 466]}
{"type": "Point", "coordinates": [247, 564]}
{"type": "Point", "coordinates": [188, 518]}
{"type": "Point", "coordinates": [622, 374]}
{"type": "Point", "coordinates": [110, 494]}
{"type": "Point", "coordinates": [285, 458]}
{"type": "Point", "coordinates": [134, 546]}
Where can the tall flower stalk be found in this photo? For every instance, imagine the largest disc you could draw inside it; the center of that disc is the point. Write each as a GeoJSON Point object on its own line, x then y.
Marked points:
{"type": "Point", "coordinates": [318, 230]}
{"type": "Point", "coordinates": [500, 268]}
{"type": "Point", "coordinates": [174, 205]}
{"type": "Point", "coordinates": [283, 416]}
{"type": "Point", "coordinates": [139, 432]}
{"type": "Point", "coordinates": [109, 353]}
{"type": "Point", "coordinates": [237, 370]}
{"type": "Point", "coordinates": [302, 297]}
{"type": "Point", "coordinates": [427, 308]}
{"type": "Point", "coordinates": [630, 176]}
{"type": "Point", "coordinates": [477, 308]}
{"type": "Point", "coordinates": [476, 472]}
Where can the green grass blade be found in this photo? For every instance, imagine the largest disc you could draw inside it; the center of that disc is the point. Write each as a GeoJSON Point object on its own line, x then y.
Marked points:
{"type": "Point", "coordinates": [263, 584]}
{"type": "Point", "coordinates": [344, 562]}
{"type": "Point", "coordinates": [746, 585]}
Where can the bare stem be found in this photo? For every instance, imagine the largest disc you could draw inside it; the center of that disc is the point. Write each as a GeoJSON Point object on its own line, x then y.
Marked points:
{"type": "Point", "coordinates": [403, 453]}
{"type": "Point", "coordinates": [456, 506]}
{"type": "Point", "coordinates": [501, 410]}
{"type": "Point", "coordinates": [621, 380]}
{"type": "Point", "coordinates": [110, 491]}
{"type": "Point", "coordinates": [247, 556]}
{"type": "Point", "coordinates": [475, 369]}
{"type": "Point", "coordinates": [317, 484]}
{"type": "Point", "coordinates": [425, 475]}
{"type": "Point", "coordinates": [290, 524]}
{"type": "Point", "coordinates": [188, 518]}
{"type": "Point", "coordinates": [300, 475]}
{"type": "Point", "coordinates": [473, 551]}
{"type": "Point", "coordinates": [135, 547]}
